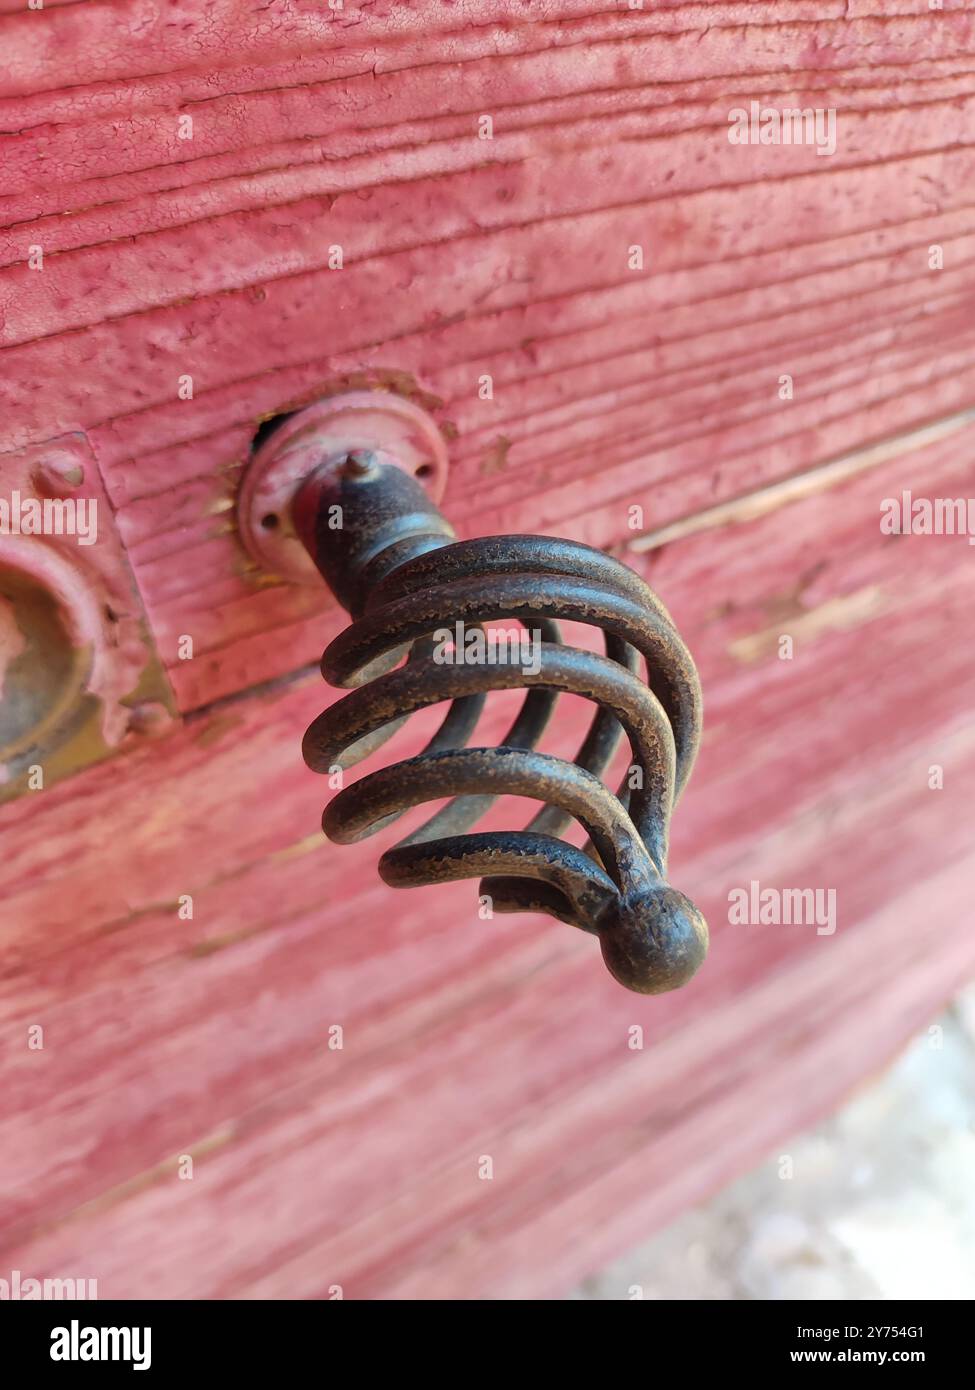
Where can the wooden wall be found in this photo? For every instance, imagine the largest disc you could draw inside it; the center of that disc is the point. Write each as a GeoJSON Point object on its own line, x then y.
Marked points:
{"type": "Point", "coordinates": [612, 388]}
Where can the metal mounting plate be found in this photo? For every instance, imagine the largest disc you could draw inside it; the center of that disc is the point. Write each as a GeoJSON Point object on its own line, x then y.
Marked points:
{"type": "Point", "coordinates": [356, 421]}
{"type": "Point", "coordinates": [78, 671]}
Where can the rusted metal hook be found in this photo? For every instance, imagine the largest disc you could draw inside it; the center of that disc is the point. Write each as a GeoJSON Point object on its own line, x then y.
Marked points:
{"type": "Point", "coordinates": [391, 558]}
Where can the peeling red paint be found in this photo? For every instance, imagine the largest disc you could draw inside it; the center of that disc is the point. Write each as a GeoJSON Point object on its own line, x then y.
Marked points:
{"type": "Point", "coordinates": [208, 258]}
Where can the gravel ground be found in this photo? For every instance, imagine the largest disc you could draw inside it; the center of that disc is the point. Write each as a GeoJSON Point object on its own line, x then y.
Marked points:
{"type": "Point", "coordinates": [880, 1204]}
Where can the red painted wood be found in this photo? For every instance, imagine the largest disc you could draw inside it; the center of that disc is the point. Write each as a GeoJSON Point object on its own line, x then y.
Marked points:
{"type": "Point", "coordinates": [209, 256]}
{"type": "Point", "coordinates": [209, 1037]}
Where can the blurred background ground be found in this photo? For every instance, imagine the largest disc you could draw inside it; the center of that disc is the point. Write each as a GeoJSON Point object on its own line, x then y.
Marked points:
{"type": "Point", "coordinates": [880, 1204]}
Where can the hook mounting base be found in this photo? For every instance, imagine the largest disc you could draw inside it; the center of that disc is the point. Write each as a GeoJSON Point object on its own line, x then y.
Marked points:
{"type": "Point", "coordinates": [319, 438]}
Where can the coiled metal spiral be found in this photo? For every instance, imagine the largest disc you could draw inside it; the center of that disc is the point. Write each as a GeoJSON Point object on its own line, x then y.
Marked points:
{"type": "Point", "coordinates": [415, 582]}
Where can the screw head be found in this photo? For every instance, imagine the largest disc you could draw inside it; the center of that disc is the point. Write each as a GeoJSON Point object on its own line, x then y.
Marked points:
{"type": "Point", "coordinates": [359, 463]}
{"type": "Point", "coordinates": [58, 474]}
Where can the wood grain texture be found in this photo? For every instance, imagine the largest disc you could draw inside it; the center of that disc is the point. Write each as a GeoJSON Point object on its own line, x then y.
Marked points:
{"type": "Point", "coordinates": [359, 1167]}
{"type": "Point", "coordinates": [612, 388]}
{"type": "Point", "coordinates": [209, 257]}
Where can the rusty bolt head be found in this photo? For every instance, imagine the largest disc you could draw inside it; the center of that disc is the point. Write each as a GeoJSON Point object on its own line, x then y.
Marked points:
{"type": "Point", "coordinates": [58, 474]}
{"type": "Point", "coordinates": [359, 463]}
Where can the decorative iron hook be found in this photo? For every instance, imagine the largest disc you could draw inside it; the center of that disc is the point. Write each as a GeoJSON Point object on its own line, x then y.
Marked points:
{"type": "Point", "coordinates": [395, 565]}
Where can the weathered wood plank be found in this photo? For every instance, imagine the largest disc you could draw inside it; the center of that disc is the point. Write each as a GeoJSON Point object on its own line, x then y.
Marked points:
{"type": "Point", "coordinates": [210, 1036]}
{"type": "Point", "coordinates": [611, 388]}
